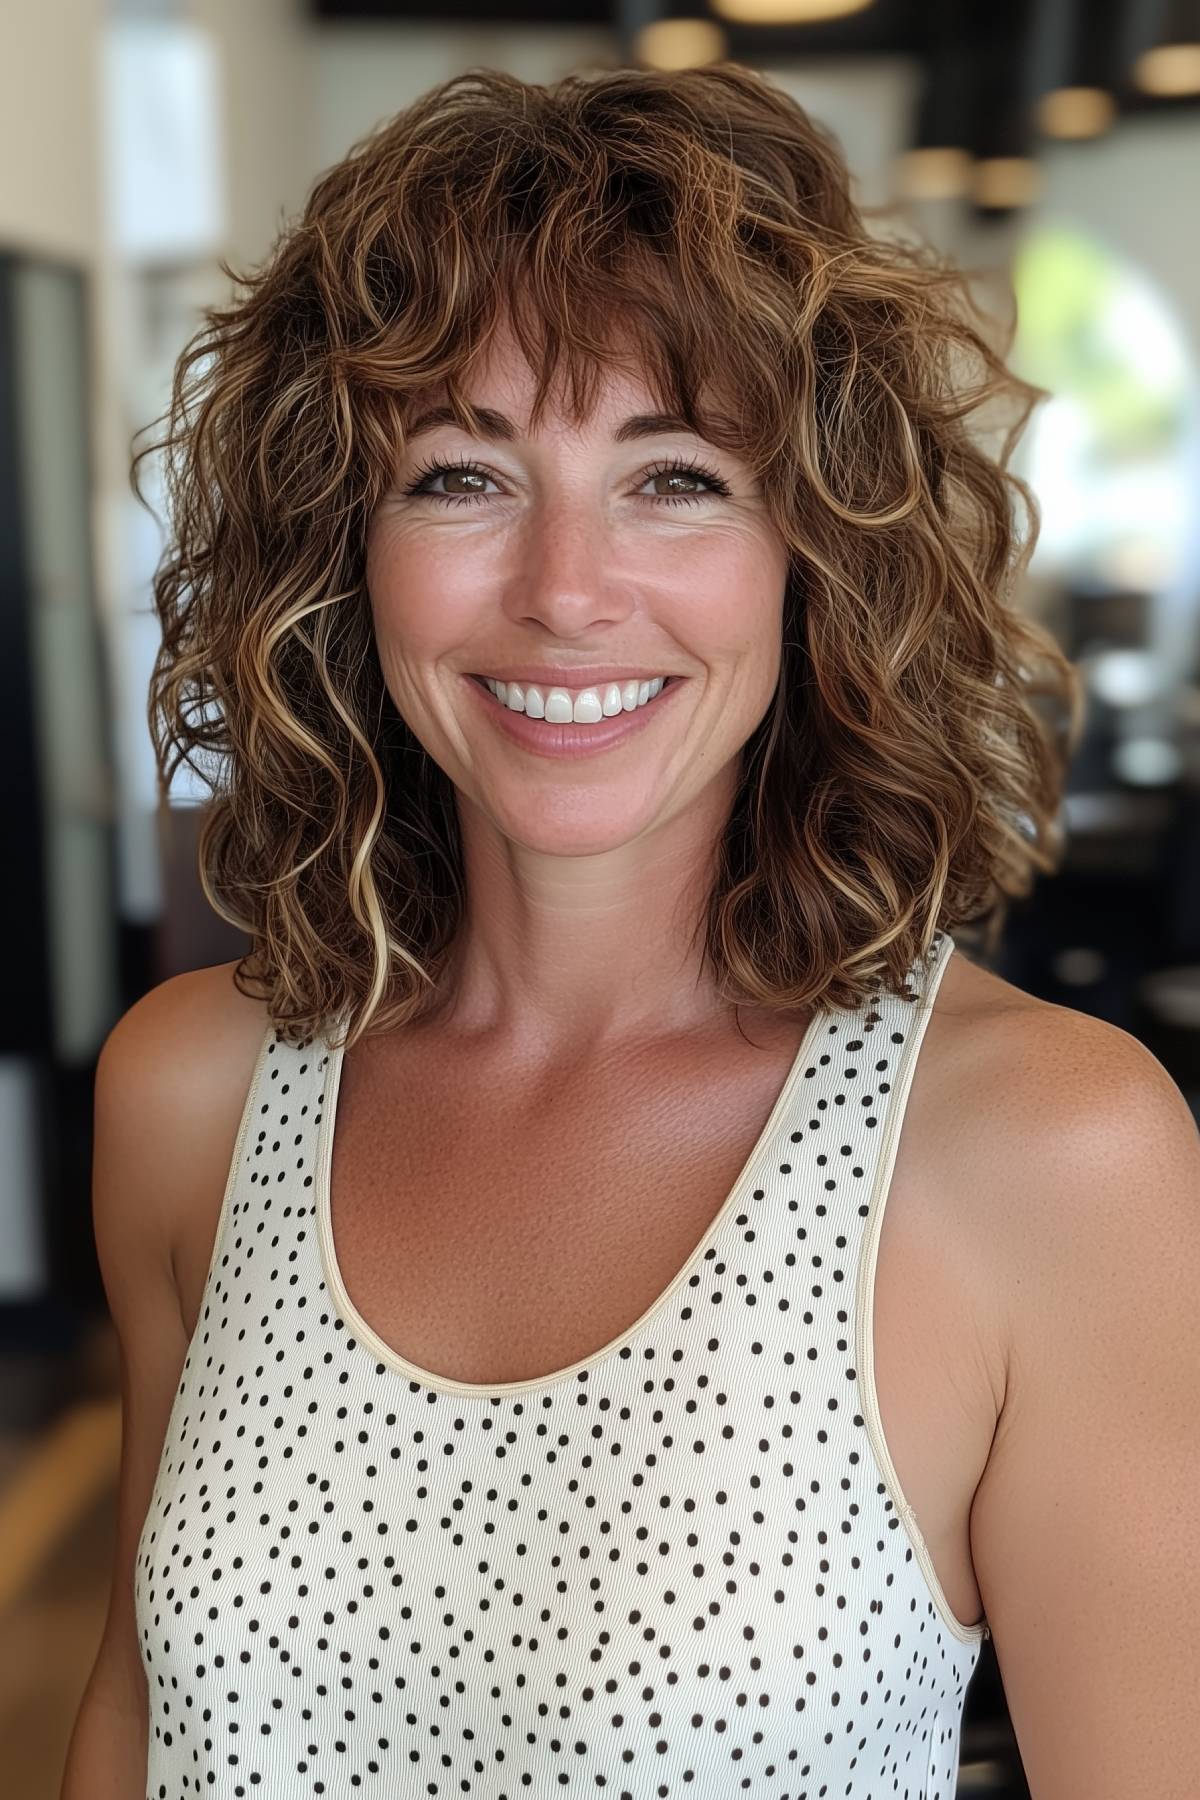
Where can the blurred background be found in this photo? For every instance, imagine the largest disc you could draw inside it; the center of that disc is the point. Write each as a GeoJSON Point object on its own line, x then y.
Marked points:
{"type": "Point", "coordinates": [1051, 147]}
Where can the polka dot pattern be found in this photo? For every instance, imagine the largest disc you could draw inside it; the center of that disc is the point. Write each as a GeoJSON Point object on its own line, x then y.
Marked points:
{"type": "Point", "coordinates": [683, 1565]}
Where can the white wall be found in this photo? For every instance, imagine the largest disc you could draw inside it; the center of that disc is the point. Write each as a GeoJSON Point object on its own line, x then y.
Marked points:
{"type": "Point", "coordinates": [49, 179]}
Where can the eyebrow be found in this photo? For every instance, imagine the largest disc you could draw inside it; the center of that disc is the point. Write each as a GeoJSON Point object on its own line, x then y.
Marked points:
{"type": "Point", "coordinates": [497, 426]}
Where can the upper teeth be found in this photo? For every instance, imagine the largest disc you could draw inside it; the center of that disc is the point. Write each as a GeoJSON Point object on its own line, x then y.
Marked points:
{"type": "Point", "coordinates": [562, 706]}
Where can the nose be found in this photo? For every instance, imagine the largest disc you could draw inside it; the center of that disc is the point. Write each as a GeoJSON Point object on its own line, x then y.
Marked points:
{"type": "Point", "coordinates": [566, 575]}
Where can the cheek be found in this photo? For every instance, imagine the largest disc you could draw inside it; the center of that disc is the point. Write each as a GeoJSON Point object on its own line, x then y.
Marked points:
{"type": "Point", "coordinates": [418, 608]}
{"type": "Point", "coordinates": [728, 603]}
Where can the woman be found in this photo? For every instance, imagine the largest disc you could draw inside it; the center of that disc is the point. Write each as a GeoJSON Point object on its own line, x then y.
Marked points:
{"type": "Point", "coordinates": [548, 1362]}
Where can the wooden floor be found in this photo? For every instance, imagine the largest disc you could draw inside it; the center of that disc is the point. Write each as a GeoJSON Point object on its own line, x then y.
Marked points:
{"type": "Point", "coordinates": [60, 1436]}
{"type": "Point", "coordinates": [59, 1458]}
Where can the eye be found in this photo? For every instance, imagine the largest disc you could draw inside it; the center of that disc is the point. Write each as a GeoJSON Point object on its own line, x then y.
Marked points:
{"type": "Point", "coordinates": [694, 470]}
{"type": "Point", "coordinates": [678, 466]}
{"type": "Point", "coordinates": [429, 472]}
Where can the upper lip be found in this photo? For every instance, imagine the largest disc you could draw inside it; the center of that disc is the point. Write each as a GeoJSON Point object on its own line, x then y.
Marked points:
{"type": "Point", "coordinates": [572, 678]}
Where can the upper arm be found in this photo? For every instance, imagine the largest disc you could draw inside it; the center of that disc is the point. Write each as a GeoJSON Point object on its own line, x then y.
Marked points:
{"type": "Point", "coordinates": [1083, 1528]}
{"type": "Point", "coordinates": [168, 1090]}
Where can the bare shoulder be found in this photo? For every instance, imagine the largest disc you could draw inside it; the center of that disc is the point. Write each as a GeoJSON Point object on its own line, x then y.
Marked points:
{"type": "Point", "coordinates": [1033, 1119]}
{"type": "Point", "coordinates": [188, 1045]}
{"type": "Point", "coordinates": [1078, 1165]}
{"type": "Point", "coordinates": [1076, 1151]}
{"type": "Point", "coordinates": [982, 1023]}
{"type": "Point", "coordinates": [1029, 1088]}
{"type": "Point", "coordinates": [172, 1080]}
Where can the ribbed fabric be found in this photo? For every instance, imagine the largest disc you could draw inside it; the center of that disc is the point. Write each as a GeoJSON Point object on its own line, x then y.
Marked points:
{"type": "Point", "coordinates": [683, 1565]}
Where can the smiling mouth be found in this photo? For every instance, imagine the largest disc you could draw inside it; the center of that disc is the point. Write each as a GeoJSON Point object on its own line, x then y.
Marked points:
{"type": "Point", "coordinates": [483, 681]}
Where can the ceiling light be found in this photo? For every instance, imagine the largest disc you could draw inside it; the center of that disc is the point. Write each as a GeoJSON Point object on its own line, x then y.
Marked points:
{"type": "Point", "coordinates": [1004, 181]}
{"type": "Point", "coordinates": [1167, 35]}
{"type": "Point", "coordinates": [935, 173]}
{"type": "Point", "coordinates": [1076, 112]}
{"type": "Point", "coordinates": [1079, 51]}
{"type": "Point", "coordinates": [1169, 70]}
{"type": "Point", "coordinates": [785, 12]}
{"type": "Point", "coordinates": [679, 43]}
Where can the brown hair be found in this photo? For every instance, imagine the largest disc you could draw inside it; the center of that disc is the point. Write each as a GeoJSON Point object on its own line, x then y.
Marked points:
{"type": "Point", "coordinates": [902, 780]}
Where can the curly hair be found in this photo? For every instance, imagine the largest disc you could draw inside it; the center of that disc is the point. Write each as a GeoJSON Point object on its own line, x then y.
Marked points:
{"type": "Point", "coordinates": [904, 778]}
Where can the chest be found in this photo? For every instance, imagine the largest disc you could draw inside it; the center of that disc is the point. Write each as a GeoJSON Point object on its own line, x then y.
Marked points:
{"type": "Point", "coordinates": [493, 1227]}
{"type": "Point", "coordinates": [488, 1239]}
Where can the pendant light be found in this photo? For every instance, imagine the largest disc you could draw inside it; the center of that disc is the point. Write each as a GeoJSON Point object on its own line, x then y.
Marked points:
{"type": "Point", "coordinates": [1077, 64]}
{"type": "Point", "coordinates": [786, 12]}
{"type": "Point", "coordinates": [1169, 66]}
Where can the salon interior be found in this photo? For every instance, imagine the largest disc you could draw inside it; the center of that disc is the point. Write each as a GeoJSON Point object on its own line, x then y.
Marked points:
{"type": "Point", "coordinates": [1052, 147]}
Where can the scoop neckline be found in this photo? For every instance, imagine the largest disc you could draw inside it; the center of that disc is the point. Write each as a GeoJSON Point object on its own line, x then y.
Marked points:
{"type": "Point", "coordinates": [345, 1309]}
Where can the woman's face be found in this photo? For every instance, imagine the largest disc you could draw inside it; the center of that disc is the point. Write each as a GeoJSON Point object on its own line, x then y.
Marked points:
{"type": "Point", "coordinates": [565, 554]}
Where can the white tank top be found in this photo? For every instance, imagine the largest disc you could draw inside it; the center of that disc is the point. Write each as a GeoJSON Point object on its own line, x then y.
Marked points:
{"type": "Point", "coordinates": [683, 1564]}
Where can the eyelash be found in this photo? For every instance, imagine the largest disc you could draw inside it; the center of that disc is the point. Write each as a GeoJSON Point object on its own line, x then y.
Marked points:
{"type": "Point", "coordinates": [678, 465]}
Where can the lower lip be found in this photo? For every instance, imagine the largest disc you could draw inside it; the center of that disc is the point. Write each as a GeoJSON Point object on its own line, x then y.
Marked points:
{"type": "Point", "coordinates": [570, 740]}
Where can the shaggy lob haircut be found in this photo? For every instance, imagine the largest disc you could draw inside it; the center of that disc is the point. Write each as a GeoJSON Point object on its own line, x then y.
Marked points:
{"type": "Point", "coordinates": [700, 224]}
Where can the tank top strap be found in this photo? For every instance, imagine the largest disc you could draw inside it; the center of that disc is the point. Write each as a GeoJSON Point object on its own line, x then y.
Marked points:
{"type": "Point", "coordinates": [281, 1111]}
